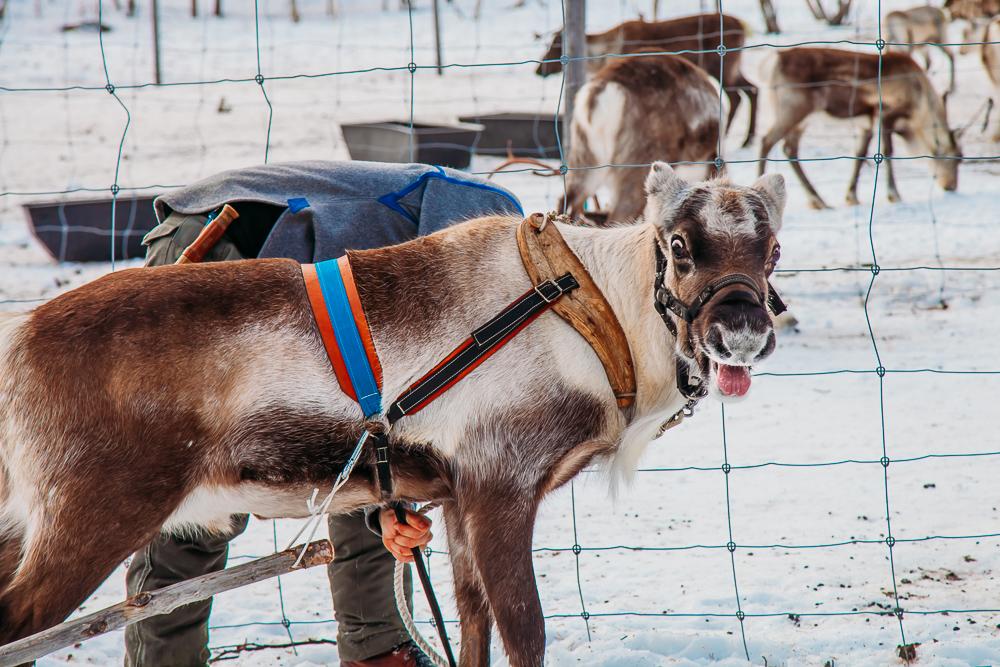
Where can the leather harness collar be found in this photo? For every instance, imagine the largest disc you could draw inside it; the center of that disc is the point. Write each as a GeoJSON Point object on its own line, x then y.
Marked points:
{"type": "Point", "coordinates": [545, 255]}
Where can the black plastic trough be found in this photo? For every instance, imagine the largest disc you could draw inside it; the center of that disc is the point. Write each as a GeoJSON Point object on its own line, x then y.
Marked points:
{"type": "Point", "coordinates": [446, 145]}
{"type": "Point", "coordinates": [80, 231]}
{"type": "Point", "coordinates": [527, 134]}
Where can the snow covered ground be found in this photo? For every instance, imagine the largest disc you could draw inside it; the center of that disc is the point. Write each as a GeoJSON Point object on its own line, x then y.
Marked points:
{"type": "Point", "coordinates": [653, 573]}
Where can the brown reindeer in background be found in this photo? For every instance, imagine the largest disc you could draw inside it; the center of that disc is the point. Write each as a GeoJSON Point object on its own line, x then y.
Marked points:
{"type": "Point", "coordinates": [248, 416]}
{"type": "Point", "coordinates": [989, 55]}
{"type": "Point", "coordinates": [632, 112]}
{"type": "Point", "coordinates": [698, 34]}
{"type": "Point", "coordinates": [971, 10]}
{"type": "Point", "coordinates": [919, 29]}
{"type": "Point", "coordinates": [845, 85]}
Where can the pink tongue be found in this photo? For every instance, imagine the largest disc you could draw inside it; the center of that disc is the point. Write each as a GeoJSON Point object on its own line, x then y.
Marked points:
{"type": "Point", "coordinates": [733, 380]}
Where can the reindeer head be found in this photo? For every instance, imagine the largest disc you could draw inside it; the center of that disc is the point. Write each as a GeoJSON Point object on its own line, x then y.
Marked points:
{"type": "Point", "coordinates": [555, 51]}
{"type": "Point", "coordinates": [973, 31]}
{"type": "Point", "coordinates": [927, 130]}
{"type": "Point", "coordinates": [718, 246]}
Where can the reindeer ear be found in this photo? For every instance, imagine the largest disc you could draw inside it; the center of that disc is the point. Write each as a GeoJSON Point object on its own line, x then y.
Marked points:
{"type": "Point", "coordinates": [664, 181]}
{"type": "Point", "coordinates": [664, 189]}
{"type": "Point", "coordinates": [772, 188]}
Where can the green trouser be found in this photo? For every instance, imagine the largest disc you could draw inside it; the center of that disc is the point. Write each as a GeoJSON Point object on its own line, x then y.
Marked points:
{"type": "Point", "coordinates": [360, 575]}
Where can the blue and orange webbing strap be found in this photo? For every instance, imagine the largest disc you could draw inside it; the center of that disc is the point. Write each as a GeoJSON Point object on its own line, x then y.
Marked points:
{"type": "Point", "coordinates": [344, 330]}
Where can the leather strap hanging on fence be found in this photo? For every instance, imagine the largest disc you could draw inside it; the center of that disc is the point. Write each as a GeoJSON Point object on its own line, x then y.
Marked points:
{"type": "Point", "coordinates": [545, 254]}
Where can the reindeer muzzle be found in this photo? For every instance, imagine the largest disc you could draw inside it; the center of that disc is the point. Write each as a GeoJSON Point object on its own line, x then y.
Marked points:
{"type": "Point", "coordinates": [689, 312]}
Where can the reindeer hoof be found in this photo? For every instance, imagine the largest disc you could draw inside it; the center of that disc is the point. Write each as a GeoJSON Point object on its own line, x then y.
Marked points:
{"type": "Point", "coordinates": [851, 199]}
{"type": "Point", "coordinates": [894, 198]}
{"type": "Point", "coordinates": [817, 204]}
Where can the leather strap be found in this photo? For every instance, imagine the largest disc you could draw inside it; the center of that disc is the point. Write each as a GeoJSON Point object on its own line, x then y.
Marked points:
{"type": "Point", "coordinates": [382, 468]}
{"type": "Point", "coordinates": [484, 341]}
{"type": "Point", "coordinates": [545, 254]}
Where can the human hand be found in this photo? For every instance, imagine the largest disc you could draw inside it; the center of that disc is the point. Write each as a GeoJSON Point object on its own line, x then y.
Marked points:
{"type": "Point", "coordinates": [399, 538]}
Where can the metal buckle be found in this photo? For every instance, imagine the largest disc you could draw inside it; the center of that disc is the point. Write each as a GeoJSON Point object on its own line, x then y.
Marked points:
{"type": "Point", "coordinates": [548, 283]}
{"type": "Point", "coordinates": [382, 455]}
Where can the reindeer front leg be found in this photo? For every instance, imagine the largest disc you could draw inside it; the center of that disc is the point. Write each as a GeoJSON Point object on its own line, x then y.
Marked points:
{"type": "Point", "coordinates": [852, 188]}
{"type": "Point", "coordinates": [791, 147]}
{"type": "Point", "coordinates": [473, 608]}
{"type": "Point", "coordinates": [893, 193]}
{"type": "Point", "coordinates": [500, 523]}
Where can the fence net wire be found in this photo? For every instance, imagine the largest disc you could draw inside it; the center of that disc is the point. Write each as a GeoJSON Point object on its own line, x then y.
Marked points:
{"type": "Point", "coordinates": [104, 177]}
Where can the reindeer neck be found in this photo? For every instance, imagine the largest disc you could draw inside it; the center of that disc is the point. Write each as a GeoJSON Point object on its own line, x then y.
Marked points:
{"type": "Point", "coordinates": [622, 261]}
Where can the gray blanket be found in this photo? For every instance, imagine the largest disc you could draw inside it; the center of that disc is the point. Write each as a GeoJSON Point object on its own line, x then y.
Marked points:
{"type": "Point", "coordinates": [332, 207]}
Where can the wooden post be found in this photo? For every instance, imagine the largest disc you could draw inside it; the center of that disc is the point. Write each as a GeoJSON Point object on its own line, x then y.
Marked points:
{"type": "Point", "coordinates": [156, 42]}
{"type": "Point", "coordinates": [575, 73]}
{"type": "Point", "coordinates": [162, 601]}
{"type": "Point", "coordinates": [437, 37]}
{"type": "Point", "coordinates": [770, 16]}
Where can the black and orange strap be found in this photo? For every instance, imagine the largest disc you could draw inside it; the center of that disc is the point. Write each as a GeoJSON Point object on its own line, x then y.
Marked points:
{"type": "Point", "coordinates": [482, 344]}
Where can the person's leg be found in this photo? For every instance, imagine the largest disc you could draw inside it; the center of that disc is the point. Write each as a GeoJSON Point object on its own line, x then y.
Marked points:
{"type": "Point", "coordinates": [180, 638]}
{"type": "Point", "coordinates": [361, 584]}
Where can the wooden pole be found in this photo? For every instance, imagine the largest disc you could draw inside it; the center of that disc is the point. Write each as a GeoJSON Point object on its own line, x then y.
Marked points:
{"type": "Point", "coordinates": [162, 601]}
{"type": "Point", "coordinates": [574, 46]}
{"type": "Point", "coordinates": [437, 37]}
{"type": "Point", "coordinates": [770, 16]}
{"type": "Point", "coordinates": [156, 42]}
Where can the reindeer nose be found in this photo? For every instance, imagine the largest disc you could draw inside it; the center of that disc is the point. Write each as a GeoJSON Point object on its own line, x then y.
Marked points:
{"type": "Point", "coordinates": [739, 297]}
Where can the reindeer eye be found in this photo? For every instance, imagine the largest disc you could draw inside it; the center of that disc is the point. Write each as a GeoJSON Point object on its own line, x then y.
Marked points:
{"type": "Point", "coordinates": [773, 261]}
{"type": "Point", "coordinates": [678, 248]}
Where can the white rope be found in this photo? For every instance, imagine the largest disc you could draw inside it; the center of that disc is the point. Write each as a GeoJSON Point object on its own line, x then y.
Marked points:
{"type": "Point", "coordinates": [316, 512]}
{"type": "Point", "coordinates": [404, 610]}
{"type": "Point", "coordinates": [311, 525]}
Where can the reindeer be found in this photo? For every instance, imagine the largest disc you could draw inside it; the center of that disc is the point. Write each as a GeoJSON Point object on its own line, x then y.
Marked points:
{"type": "Point", "coordinates": [972, 10]}
{"type": "Point", "coordinates": [976, 14]}
{"type": "Point", "coordinates": [989, 54]}
{"type": "Point", "coordinates": [918, 29]}
{"type": "Point", "coordinates": [845, 85]}
{"type": "Point", "coordinates": [633, 111]}
{"type": "Point", "coordinates": [248, 416]}
{"type": "Point", "coordinates": [698, 34]}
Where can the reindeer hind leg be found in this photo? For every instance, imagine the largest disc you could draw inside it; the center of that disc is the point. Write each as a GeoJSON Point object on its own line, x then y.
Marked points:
{"type": "Point", "coordinates": [627, 184]}
{"type": "Point", "coordinates": [61, 566]}
{"type": "Point", "coordinates": [750, 91]}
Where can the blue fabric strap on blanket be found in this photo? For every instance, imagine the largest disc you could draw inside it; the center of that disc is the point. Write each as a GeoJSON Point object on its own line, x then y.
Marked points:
{"type": "Point", "coordinates": [345, 329]}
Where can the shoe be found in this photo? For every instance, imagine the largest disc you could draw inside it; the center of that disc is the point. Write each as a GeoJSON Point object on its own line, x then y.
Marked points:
{"type": "Point", "coordinates": [404, 655]}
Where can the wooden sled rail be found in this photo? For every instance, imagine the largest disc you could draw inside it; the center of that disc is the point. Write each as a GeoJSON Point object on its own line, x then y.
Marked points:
{"type": "Point", "coordinates": [162, 601]}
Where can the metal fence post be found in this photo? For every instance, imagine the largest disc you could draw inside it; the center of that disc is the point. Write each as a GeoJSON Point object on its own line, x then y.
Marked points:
{"type": "Point", "coordinates": [574, 47]}
{"type": "Point", "coordinates": [437, 36]}
{"type": "Point", "coordinates": [156, 41]}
